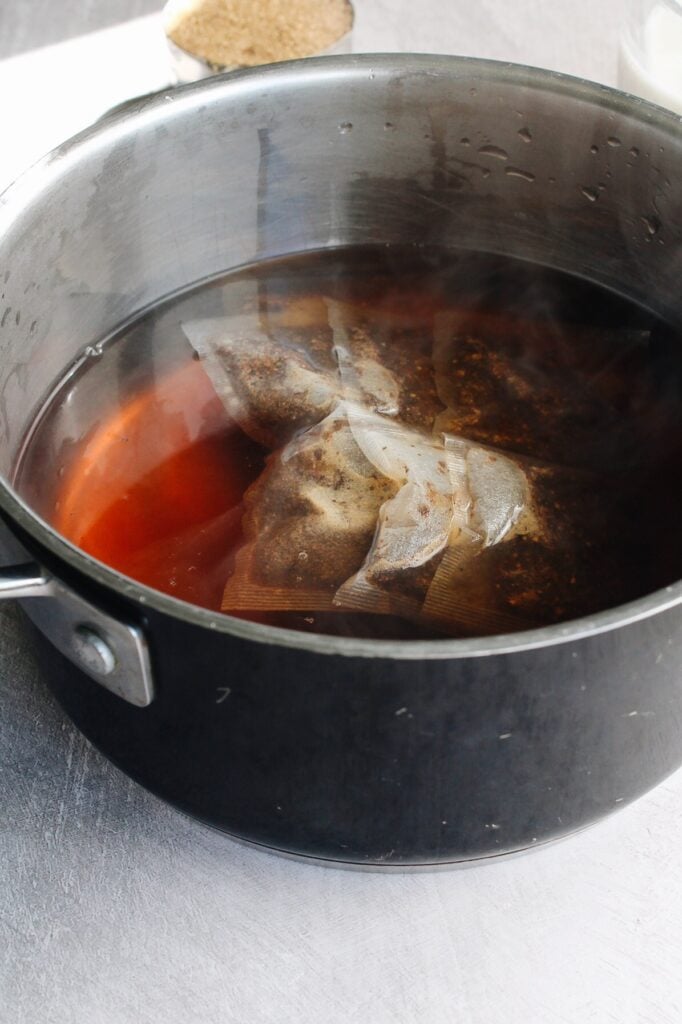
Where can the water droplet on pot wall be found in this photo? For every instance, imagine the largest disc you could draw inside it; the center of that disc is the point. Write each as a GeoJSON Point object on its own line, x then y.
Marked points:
{"type": "Point", "coordinates": [652, 224]}
{"type": "Point", "coordinates": [495, 151]}
{"type": "Point", "coordinates": [518, 172]}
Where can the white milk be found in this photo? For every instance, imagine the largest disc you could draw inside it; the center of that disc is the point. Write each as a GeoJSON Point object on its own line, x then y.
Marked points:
{"type": "Point", "coordinates": [653, 69]}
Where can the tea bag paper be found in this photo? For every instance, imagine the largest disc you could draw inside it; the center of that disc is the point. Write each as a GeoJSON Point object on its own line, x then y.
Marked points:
{"type": "Point", "coordinates": [454, 500]}
{"type": "Point", "coordinates": [363, 378]}
{"type": "Point", "coordinates": [499, 491]}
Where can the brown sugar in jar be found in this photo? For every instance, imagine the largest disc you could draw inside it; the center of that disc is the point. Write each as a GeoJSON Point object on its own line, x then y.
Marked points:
{"type": "Point", "coordinates": [243, 33]}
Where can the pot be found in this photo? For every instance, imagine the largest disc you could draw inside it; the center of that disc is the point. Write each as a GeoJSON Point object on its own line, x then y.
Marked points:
{"type": "Point", "coordinates": [346, 750]}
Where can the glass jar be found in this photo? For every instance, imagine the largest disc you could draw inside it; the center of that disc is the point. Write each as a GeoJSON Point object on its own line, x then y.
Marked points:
{"type": "Point", "coordinates": [650, 60]}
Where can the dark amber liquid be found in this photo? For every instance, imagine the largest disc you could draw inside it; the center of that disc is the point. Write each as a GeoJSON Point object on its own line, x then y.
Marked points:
{"type": "Point", "coordinates": [137, 462]}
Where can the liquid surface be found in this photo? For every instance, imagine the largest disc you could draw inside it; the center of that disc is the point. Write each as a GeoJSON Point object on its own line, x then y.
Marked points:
{"type": "Point", "coordinates": [138, 462]}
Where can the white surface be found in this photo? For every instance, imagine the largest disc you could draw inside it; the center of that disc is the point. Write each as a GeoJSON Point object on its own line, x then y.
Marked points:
{"type": "Point", "coordinates": [116, 910]}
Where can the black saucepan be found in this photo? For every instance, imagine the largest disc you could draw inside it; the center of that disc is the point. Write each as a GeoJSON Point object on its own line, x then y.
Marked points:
{"type": "Point", "coordinates": [357, 751]}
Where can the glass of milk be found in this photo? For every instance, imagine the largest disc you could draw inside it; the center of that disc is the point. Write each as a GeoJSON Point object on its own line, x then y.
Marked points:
{"type": "Point", "coordinates": [650, 60]}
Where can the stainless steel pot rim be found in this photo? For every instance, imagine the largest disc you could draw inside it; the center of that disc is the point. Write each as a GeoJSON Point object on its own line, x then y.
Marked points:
{"type": "Point", "coordinates": [365, 67]}
{"type": "Point", "coordinates": [370, 68]}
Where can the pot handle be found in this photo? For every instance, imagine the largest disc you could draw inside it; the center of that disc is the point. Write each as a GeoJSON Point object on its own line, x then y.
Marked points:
{"type": "Point", "coordinates": [17, 581]}
{"type": "Point", "coordinates": [113, 653]}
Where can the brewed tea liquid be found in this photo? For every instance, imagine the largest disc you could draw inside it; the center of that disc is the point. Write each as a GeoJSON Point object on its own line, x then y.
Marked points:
{"type": "Point", "coordinates": [137, 461]}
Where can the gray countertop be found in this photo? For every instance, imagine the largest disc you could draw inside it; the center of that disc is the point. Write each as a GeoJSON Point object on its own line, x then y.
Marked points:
{"type": "Point", "coordinates": [114, 909]}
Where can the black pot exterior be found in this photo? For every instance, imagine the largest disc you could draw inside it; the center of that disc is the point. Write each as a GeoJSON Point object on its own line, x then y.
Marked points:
{"type": "Point", "coordinates": [381, 761]}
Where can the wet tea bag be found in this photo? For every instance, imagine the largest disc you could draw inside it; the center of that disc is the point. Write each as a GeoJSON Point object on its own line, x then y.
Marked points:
{"type": "Point", "coordinates": [455, 499]}
{"type": "Point", "coordinates": [499, 490]}
{"type": "Point", "coordinates": [312, 515]}
{"type": "Point", "coordinates": [414, 526]}
{"type": "Point", "coordinates": [270, 387]}
{"type": "Point", "coordinates": [276, 385]}
{"type": "Point", "coordinates": [364, 379]}
{"type": "Point", "coordinates": [310, 518]}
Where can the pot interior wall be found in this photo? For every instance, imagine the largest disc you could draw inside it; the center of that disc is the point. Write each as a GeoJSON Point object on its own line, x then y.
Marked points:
{"type": "Point", "coordinates": [432, 151]}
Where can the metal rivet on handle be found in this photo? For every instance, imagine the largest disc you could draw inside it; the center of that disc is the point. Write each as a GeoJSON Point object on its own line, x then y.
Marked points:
{"type": "Point", "coordinates": [93, 651]}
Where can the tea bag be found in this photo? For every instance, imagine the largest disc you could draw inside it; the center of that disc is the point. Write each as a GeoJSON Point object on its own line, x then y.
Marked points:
{"type": "Point", "coordinates": [367, 507]}
{"type": "Point", "coordinates": [499, 490]}
{"type": "Point", "coordinates": [363, 378]}
{"type": "Point", "coordinates": [276, 385]}
{"type": "Point", "coordinates": [454, 497]}
{"type": "Point", "coordinates": [271, 388]}
{"type": "Point", "coordinates": [309, 521]}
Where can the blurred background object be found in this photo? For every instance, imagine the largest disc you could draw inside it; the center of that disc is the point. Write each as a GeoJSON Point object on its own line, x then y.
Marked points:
{"type": "Point", "coordinates": [650, 62]}
{"type": "Point", "coordinates": [34, 23]}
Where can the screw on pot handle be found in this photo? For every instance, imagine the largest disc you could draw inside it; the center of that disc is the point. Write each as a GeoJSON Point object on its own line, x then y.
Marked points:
{"type": "Point", "coordinates": [113, 653]}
